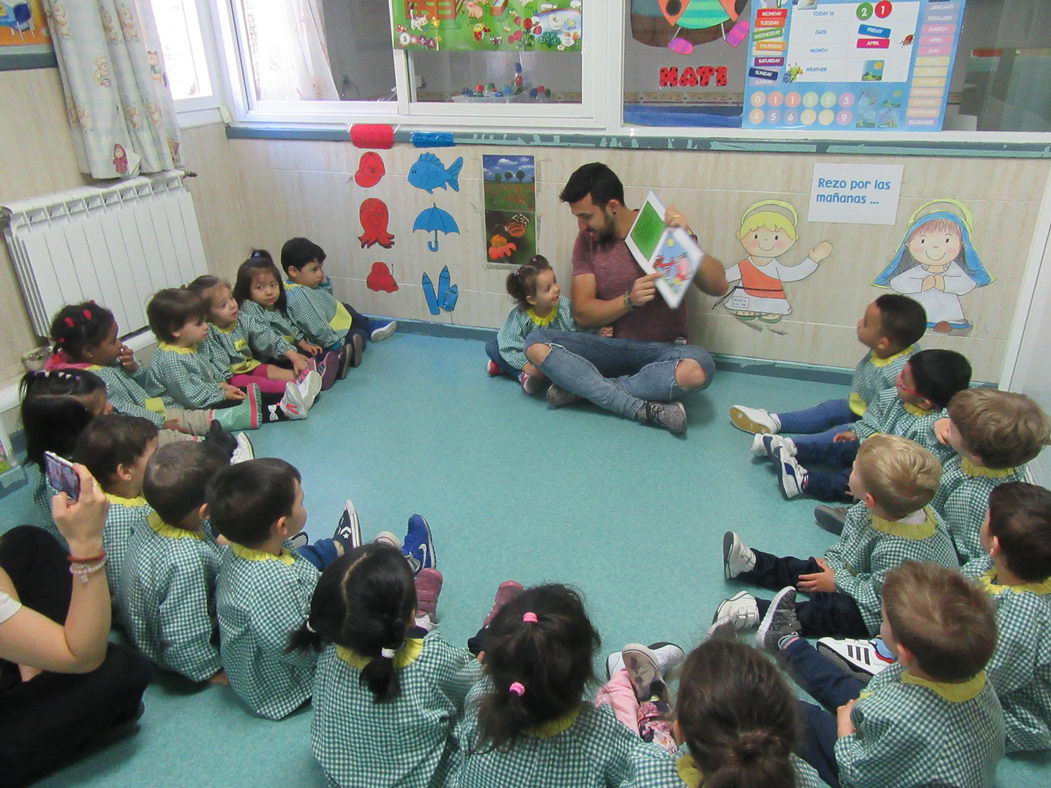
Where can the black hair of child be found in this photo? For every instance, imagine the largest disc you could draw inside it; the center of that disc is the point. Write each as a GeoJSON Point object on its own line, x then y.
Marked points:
{"type": "Point", "coordinates": [738, 716]}
{"type": "Point", "coordinates": [78, 327]}
{"type": "Point", "coordinates": [177, 476]}
{"type": "Point", "coordinates": [939, 374]}
{"type": "Point", "coordinates": [245, 499]}
{"type": "Point", "coordinates": [550, 660]}
{"type": "Point", "coordinates": [521, 283]}
{"type": "Point", "coordinates": [259, 262]}
{"type": "Point", "coordinates": [1020, 518]}
{"type": "Point", "coordinates": [110, 441]}
{"type": "Point", "coordinates": [53, 416]}
{"type": "Point", "coordinates": [299, 252]}
{"type": "Point", "coordinates": [172, 308]}
{"type": "Point", "coordinates": [597, 180]}
{"type": "Point", "coordinates": [902, 320]}
{"type": "Point", "coordinates": [364, 601]}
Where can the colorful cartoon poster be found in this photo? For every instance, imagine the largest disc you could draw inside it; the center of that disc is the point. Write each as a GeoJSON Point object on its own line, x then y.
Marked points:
{"type": "Point", "coordinates": [668, 251]}
{"type": "Point", "coordinates": [509, 194]}
{"type": "Point", "coordinates": [937, 263]}
{"type": "Point", "coordinates": [487, 25]}
{"type": "Point", "coordinates": [878, 65]}
{"type": "Point", "coordinates": [24, 35]}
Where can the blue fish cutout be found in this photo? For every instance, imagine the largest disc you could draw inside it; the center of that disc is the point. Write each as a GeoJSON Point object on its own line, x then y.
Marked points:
{"type": "Point", "coordinates": [428, 173]}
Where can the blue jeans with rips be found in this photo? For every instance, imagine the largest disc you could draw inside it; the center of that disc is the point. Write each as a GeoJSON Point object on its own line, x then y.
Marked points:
{"type": "Point", "coordinates": [617, 374]}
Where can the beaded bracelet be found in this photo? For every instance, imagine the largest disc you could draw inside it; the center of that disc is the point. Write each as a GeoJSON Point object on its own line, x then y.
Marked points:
{"type": "Point", "coordinates": [83, 570]}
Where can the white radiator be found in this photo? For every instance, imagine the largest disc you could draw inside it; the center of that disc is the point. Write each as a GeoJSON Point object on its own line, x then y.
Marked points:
{"type": "Point", "coordinates": [115, 245]}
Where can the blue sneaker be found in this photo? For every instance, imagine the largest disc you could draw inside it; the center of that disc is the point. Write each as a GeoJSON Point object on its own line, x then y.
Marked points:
{"type": "Point", "coordinates": [418, 547]}
{"type": "Point", "coordinates": [348, 531]}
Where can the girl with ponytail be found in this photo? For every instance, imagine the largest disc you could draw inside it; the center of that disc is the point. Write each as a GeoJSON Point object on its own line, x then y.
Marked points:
{"type": "Point", "coordinates": [527, 722]}
{"type": "Point", "coordinates": [386, 694]}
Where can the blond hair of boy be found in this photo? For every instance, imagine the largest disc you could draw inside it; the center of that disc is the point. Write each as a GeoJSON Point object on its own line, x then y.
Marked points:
{"type": "Point", "coordinates": [900, 476]}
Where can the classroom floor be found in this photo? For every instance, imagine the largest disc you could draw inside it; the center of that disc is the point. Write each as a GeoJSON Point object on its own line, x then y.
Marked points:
{"type": "Point", "coordinates": [630, 515]}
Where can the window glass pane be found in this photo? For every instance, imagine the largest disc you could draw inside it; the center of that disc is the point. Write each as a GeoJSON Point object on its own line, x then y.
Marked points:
{"type": "Point", "coordinates": [692, 73]}
{"type": "Point", "coordinates": [180, 33]}
{"type": "Point", "coordinates": [497, 77]}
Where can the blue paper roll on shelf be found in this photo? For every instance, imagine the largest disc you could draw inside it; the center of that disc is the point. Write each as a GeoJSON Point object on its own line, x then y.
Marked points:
{"type": "Point", "coordinates": [433, 139]}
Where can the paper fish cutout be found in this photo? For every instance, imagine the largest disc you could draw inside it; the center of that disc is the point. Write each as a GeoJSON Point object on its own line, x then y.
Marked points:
{"type": "Point", "coordinates": [428, 173]}
{"type": "Point", "coordinates": [380, 279]}
{"type": "Point", "coordinates": [374, 217]}
{"type": "Point", "coordinates": [370, 169]}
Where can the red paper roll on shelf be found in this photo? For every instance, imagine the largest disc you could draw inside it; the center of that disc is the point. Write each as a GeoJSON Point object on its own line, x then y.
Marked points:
{"type": "Point", "coordinates": [372, 135]}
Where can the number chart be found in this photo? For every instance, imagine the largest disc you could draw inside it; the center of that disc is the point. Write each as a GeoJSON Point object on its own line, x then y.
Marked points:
{"type": "Point", "coordinates": [877, 65]}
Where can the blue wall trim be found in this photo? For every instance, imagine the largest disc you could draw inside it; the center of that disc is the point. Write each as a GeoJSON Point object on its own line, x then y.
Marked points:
{"type": "Point", "coordinates": [1020, 150]}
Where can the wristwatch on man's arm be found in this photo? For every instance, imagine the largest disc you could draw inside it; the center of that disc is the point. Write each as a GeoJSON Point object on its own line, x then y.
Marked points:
{"type": "Point", "coordinates": [627, 301]}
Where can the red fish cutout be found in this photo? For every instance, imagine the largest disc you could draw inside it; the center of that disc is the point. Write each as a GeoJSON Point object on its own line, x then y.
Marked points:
{"type": "Point", "coordinates": [380, 278]}
{"type": "Point", "coordinates": [374, 217]}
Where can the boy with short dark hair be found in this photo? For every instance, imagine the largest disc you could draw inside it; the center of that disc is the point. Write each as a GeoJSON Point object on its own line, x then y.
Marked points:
{"type": "Point", "coordinates": [893, 480]}
{"type": "Point", "coordinates": [920, 395]}
{"type": "Point", "coordinates": [116, 448]}
{"type": "Point", "coordinates": [932, 718]}
{"type": "Point", "coordinates": [167, 586]}
{"type": "Point", "coordinates": [994, 433]}
{"type": "Point", "coordinates": [890, 327]}
{"type": "Point", "coordinates": [1016, 574]}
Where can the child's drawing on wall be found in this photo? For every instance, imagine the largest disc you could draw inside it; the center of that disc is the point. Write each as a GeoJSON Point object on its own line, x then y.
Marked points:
{"type": "Point", "coordinates": [936, 264]}
{"type": "Point", "coordinates": [768, 231]}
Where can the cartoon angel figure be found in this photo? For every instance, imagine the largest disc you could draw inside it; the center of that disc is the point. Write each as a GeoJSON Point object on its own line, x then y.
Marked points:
{"type": "Point", "coordinates": [768, 230]}
{"type": "Point", "coordinates": [936, 264]}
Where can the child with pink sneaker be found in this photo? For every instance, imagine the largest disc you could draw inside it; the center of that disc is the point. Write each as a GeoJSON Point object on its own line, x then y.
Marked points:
{"type": "Point", "coordinates": [538, 304]}
{"type": "Point", "coordinates": [890, 327]}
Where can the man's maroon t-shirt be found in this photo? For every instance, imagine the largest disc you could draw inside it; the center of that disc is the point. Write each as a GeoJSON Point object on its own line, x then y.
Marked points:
{"type": "Point", "coordinates": [615, 271]}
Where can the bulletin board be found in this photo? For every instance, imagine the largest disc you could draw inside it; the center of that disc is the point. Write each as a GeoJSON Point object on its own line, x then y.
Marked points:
{"type": "Point", "coordinates": [487, 25]}
{"type": "Point", "coordinates": [873, 65]}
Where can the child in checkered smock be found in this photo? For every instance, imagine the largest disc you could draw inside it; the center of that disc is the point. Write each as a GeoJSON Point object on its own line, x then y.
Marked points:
{"type": "Point", "coordinates": [167, 587]}
{"type": "Point", "coordinates": [386, 697]}
{"type": "Point", "coordinates": [994, 433]}
{"type": "Point", "coordinates": [933, 717]}
{"type": "Point", "coordinates": [1016, 575]}
{"type": "Point", "coordinates": [116, 449]}
{"type": "Point", "coordinates": [893, 480]}
{"type": "Point", "coordinates": [528, 723]}
{"type": "Point", "coordinates": [890, 328]}
{"type": "Point", "coordinates": [737, 720]}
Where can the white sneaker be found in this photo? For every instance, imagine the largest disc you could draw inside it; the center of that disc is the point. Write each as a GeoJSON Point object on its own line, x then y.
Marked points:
{"type": "Point", "coordinates": [739, 611]}
{"type": "Point", "coordinates": [754, 420]}
{"type": "Point", "coordinates": [737, 556]}
{"type": "Point", "coordinates": [668, 656]}
{"type": "Point", "coordinates": [292, 404]}
{"type": "Point", "coordinates": [764, 443]}
{"type": "Point", "coordinates": [860, 656]}
{"type": "Point", "coordinates": [791, 476]}
{"type": "Point", "coordinates": [382, 333]}
{"type": "Point", "coordinates": [386, 537]}
{"type": "Point", "coordinates": [309, 387]}
{"type": "Point", "coordinates": [244, 451]}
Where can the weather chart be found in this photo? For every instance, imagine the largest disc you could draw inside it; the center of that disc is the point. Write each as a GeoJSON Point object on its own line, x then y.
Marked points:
{"type": "Point", "coordinates": [878, 65]}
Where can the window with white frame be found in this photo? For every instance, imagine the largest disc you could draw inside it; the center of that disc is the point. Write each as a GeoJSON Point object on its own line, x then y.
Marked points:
{"type": "Point", "coordinates": [185, 60]}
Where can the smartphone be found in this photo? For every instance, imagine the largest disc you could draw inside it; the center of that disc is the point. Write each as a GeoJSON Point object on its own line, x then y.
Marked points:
{"type": "Point", "coordinates": [61, 475]}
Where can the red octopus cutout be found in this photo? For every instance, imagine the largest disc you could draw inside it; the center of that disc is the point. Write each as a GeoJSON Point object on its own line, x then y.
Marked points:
{"type": "Point", "coordinates": [374, 217]}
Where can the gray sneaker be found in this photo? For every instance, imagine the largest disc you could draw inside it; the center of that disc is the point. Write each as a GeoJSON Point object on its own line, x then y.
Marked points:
{"type": "Point", "coordinates": [558, 397]}
{"type": "Point", "coordinates": [780, 619]}
{"type": "Point", "coordinates": [831, 518]}
{"type": "Point", "coordinates": [670, 415]}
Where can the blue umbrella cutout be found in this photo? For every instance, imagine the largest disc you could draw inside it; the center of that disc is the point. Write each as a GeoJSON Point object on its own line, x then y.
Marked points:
{"type": "Point", "coordinates": [433, 220]}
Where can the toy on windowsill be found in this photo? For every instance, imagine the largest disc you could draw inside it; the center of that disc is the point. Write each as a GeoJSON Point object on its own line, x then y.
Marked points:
{"type": "Point", "coordinates": [518, 89]}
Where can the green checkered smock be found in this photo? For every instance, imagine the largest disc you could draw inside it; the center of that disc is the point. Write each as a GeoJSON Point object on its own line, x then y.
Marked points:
{"type": "Point", "coordinates": [186, 377]}
{"type": "Point", "coordinates": [278, 322]}
{"type": "Point", "coordinates": [963, 498]}
{"type": "Point", "coordinates": [405, 742]}
{"type": "Point", "coordinates": [126, 392]}
{"type": "Point", "coordinates": [657, 768]}
{"type": "Point", "coordinates": [891, 416]}
{"type": "Point", "coordinates": [314, 309]}
{"type": "Point", "coordinates": [125, 517]}
{"type": "Point", "coordinates": [520, 323]}
{"type": "Point", "coordinates": [915, 732]}
{"type": "Point", "coordinates": [261, 599]}
{"type": "Point", "coordinates": [873, 375]}
{"type": "Point", "coordinates": [167, 595]}
{"type": "Point", "coordinates": [1020, 669]}
{"type": "Point", "coordinates": [587, 749]}
{"type": "Point", "coordinates": [240, 347]}
{"type": "Point", "coordinates": [870, 546]}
